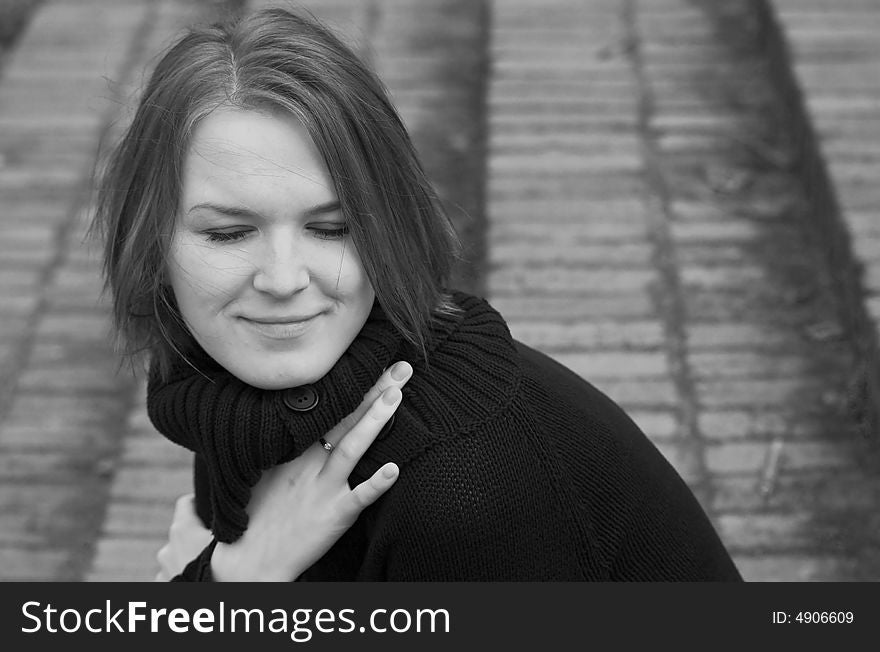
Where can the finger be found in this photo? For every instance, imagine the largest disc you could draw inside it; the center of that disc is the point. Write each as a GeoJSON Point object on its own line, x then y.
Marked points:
{"type": "Point", "coordinates": [348, 451]}
{"type": "Point", "coordinates": [396, 375]}
{"type": "Point", "coordinates": [185, 507]}
{"type": "Point", "coordinates": [370, 490]}
{"type": "Point", "coordinates": [185, 501]}
{"type": "Point", "coordinates": [165, 572]}
{"type": "Point", "coordinates": [164, 556]}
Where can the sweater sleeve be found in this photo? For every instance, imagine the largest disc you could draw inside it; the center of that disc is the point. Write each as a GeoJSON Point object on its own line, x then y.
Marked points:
{"type": "Point", "coordinates": [219, 418]}
{"type": "Point", "coordinates": [462, 514]}
{"type": "Point", "coordinates": [643, 517]}
{"type": "Point", "coordinates": [443, 521]}
{"type": "Point", "coordinates": [667, 536]}
{"type": "Point", "coordinates": [199, 569]}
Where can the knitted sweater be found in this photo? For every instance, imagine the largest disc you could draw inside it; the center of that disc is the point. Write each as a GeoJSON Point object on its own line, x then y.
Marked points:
{"type": "Point", "coordinates": [513, 468]}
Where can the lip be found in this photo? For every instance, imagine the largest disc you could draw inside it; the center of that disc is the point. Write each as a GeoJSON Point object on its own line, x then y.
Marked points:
{"type": "Point", "coordinates": [280, 328]}
{"type": "Point", "coordinates": [280, 320]}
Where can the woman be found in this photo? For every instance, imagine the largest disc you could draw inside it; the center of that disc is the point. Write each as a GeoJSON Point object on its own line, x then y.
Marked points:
{"type": "Point", "coordinates": [273, 243]}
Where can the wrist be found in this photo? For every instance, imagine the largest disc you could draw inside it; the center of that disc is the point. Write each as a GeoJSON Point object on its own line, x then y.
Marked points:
{"type": "Point", "coordinates": [230, 563]}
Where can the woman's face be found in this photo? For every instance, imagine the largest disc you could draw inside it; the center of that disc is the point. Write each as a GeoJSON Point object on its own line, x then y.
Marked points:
{"type": "Point", "coordinates": [263, 270]}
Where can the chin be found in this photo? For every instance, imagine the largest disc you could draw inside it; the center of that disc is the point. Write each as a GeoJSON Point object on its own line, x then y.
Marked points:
{"type": "Point", "coordinates": [280, 379]}
{"type": "Point", "coordinates": [276, 382]}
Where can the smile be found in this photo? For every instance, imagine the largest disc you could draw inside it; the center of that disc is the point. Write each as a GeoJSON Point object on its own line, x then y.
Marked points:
{"type": "Point", "coordinates": [277, 329]}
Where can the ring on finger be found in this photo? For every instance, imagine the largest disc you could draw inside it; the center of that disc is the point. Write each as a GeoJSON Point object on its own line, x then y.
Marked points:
{"type": "Point", "coordinates": [326, 444]}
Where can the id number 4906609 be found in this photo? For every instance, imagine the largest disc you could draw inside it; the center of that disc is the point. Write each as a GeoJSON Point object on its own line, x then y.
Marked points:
{"type": "Point", "coordinates": [807, 617]}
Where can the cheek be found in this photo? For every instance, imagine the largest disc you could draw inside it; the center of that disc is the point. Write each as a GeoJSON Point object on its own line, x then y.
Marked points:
{"type": "Point", "coordinates": [344, 276]}
{"type": "Point", "coordinates": [357, 284]}
{"type": "Point", "coordinates": [201, 274]}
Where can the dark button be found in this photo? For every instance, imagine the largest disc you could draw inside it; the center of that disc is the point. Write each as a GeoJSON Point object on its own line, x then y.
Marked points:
{"type": "Point", "coordinates": [387, 427]}
{"type": "Point", "coordinates": [300, 399]}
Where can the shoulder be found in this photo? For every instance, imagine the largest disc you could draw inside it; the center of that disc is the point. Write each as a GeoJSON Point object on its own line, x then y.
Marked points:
{"type": "Point", "coordinates": [590, 432]}
{"type": "Point", "coordinates": [570, 391]}
{"type": "Point", "coordinates": [647, 516]}
{"type": "Point", "coordinates": [479, 382]}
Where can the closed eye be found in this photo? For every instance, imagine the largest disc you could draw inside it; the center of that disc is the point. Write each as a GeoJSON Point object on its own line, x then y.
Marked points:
{"type": "Point", "coordinates": [335, 233]}
{"type": "Point", "coordinates": [225, 236]}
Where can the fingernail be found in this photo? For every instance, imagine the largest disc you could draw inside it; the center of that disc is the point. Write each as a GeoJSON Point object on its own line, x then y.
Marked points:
{"type": "Point", "coordinates": [391, 395]}
{"type": "Point", "coordinates": [390, 470]}
{"type": "Point", "coordinates": [401, 371]}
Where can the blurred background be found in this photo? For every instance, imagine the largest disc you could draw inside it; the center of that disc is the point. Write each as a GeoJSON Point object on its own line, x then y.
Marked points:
{"type": "Point", "coordinates": [678, 199]}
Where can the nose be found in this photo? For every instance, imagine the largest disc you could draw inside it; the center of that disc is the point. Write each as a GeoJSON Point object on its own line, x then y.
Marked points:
{"type": "Point", "coordinates": [281, 270]}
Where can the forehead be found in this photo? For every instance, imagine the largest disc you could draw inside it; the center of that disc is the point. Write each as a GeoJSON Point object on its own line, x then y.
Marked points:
{"type": "Point", "coordinates": [254, 156]}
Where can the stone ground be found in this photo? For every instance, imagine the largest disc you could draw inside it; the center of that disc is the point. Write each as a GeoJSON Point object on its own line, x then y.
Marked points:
{"type": "Point", "coordinates": [630, 191]}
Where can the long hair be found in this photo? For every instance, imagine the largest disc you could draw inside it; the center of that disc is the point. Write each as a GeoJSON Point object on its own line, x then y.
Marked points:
{"type": "Point", "coordinates": [271, 60]}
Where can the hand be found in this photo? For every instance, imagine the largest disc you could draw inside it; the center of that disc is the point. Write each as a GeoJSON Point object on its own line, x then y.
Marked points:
{"type": "Point", "coordinates": [298, 510]}
{"type": "Point", "coordinates": [187, 537]}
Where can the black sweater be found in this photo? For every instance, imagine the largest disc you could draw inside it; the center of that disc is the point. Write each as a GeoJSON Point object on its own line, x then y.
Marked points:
{"type": "Point", "coordinates": [512, 467]}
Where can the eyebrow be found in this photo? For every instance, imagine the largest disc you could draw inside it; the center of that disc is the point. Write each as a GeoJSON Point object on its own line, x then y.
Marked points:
{"type": "Point", "coordinates": [241, 211]}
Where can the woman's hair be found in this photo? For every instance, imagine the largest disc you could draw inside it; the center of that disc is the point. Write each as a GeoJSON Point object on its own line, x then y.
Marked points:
{"type": "Point", "coordinates": [271, 60]}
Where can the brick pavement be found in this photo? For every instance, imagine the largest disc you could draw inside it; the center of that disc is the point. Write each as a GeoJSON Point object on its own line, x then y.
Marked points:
{"type": "Point", "coordinates": [643, 228]}
{"type": "Point", "coordinates": [833, 81]}
{"type": "Point", "coordinates": [61, 400]}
